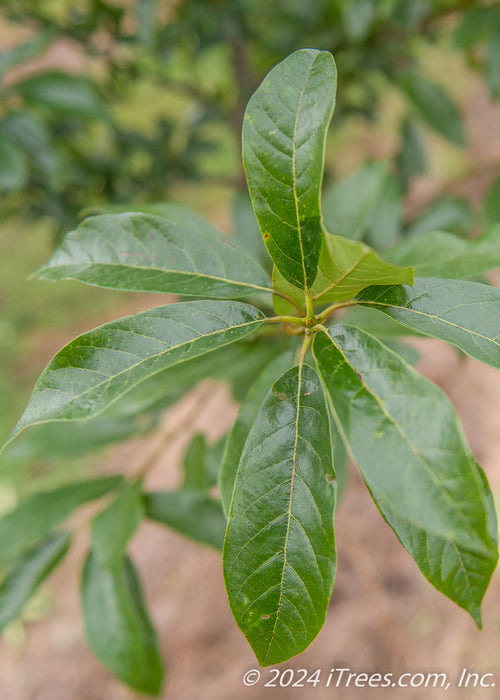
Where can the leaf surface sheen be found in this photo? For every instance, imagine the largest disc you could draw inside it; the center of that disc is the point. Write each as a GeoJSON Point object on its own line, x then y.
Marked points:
{"type": "Point", "coordinates": [284, 132]}
{"type": "Point", "coordinates": [279, 552]}
{"type": "Point", "coordinates": [465, 314]}
{"type": "Point", "coordinates": [95, 369]}
{"type": "Point", "coordinates": [406, 440]}
{"type": "Point", "coordinates": [345, 268]}
{"type": "Point", "coordinates": [144, 253]}
{"type": "Point", "coordinates": [246, 417]}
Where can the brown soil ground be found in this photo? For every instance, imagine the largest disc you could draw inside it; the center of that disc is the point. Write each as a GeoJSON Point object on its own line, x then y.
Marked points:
{"type": "Point", "coordinates": [384, 617]}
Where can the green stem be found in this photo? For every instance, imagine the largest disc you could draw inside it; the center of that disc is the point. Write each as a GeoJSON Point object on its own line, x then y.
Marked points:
{"type": "Point", "coordinates": [309, 304]}
{"type": "Point", "coordinates": [330, 309]}
{"type": "Point", "coordinates": [285, 319]}
{"type": "Point", "coordinates": [305, 346]}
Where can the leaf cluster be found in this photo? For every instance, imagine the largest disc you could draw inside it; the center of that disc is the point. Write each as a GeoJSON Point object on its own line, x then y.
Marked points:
{"type": "Point", "coordinates": [329, 387]}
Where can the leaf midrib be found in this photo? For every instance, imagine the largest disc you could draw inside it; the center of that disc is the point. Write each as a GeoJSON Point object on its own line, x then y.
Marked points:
{"type": "Point", "coordinates": [294, 175]}
{"type": "Point", "coordinates": [288, 515]}
{"type": "Point", "coordinates": [110, 379]}
{"type": "Point", "coordinates": [410, 444]}
{"type": "Point", "coordinates": [155, 269]}
{"type": "Point", "coordinates": [432, 316]}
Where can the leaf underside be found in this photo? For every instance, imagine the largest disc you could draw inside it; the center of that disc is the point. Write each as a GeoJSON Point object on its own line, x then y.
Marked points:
{"type": "Point", "coordinates": [279, 553]}
{"type": "Point", "coordinates": [414, 460]}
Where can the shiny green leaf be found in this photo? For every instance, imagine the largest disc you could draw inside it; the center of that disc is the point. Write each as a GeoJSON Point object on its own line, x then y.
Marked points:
{"type": "Point", "coordinates": [465, 314]}
{"type": "Point", "coordinates": [118, 627]}
{"type": "Point", "coordinates": [28, 573]}
{"type": "Point", "coordinates": [415, 461]}
{"type": "Point", "coordinates": [246, 418]}
{"type": "Point", "coordinates": [95, 369]}
{"type": "Point", "coordinates": [143, 253]}
{"type": "Point", "coordinates": [39, 514]}
{"type": "Point", "coordinates": [345, 268]}
{"type": "Point", "coordinates": [279, 552]}
{"type": "Point", "coordinates": [435, 107]}
{"type": "Point", "coordinates": [284, 132]}
{"type": "Point", "coordinates": [113, 527]}
{"type": "Point", "coordinates": [348, 204]}
{"type": "Point", "coordinates": [437, 254]}
{"type": "Point", "coordinates": [194, 514]}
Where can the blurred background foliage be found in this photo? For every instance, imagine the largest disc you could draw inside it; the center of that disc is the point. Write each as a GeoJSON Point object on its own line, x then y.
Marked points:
{"type": "Point", "coordinates": [124, 103]}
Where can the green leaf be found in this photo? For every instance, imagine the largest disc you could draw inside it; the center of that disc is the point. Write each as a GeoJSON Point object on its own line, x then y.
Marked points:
{"type": "Point", "coordinates": [118, 627]}
{"type": "Point", "coordinates": [165, 210]}
{"type": "Point", "coordinates": [475, 25]}
{"type": "Point", "coordinates": [348, 205]}
{"type": "Point", "coordinates": [493, 63]}
{"type": "Point", "coordinates": [411, 158]}
{"type": "Point", "coordinates": [415, 461]}
{"type": "Point", "coordinates": [95, 369]}
{"type": "Point", "coordinates": [345, 268]}
{"type": "Point", "coordinates": [58, 441]}
{"type": "Point", "coordinates": [465, 314]}
{"type": "Point", "coordinates": [143, 253]}
{"type": "Point", "coordinates": [192, 513]}
{"type": "Point", "coordinates": [451, 214]}
{"type": "Point", "coordinates": [357, 18]}
{"type": "Point", "coordinates": [386, 216]}
{"type": "Point", "coordinates": [39, 514]}
{"type": "Point", "coordinates": [279, 553]}
{"type": "Point", "coordinates": [202, 463]}
{"type": "Point", "coordinates": [246, 228]}
{"type": "Point", "coordinates": [67, 94]}
{"type": "Point", "coordinates": [31, 135]}
{"type": "Point", "coordinates": [435, 107]}
{"type": "Point", "coordinates": [113, 528]}
{"type": "Point", "coordinates": [28, 573]}
{"type": "Point", "coordinates": [138, 411]}
{"type": "Point", "coordinates": [25, 51]}
{"type": "Point", "coordinates": [13, 166]}
{"type": "Point", "coordinates": [437, 254]}
{"type": "Point", "coordinates": [374, 321]}
{"type": "Point", "coordinates": [492, 204]}
{"type": "Point", "coordinates": [284, 132]}
{"type": "Point", "coordinates": [195, 467]}
{"type": "Point", "coordinates": [246, 418]}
